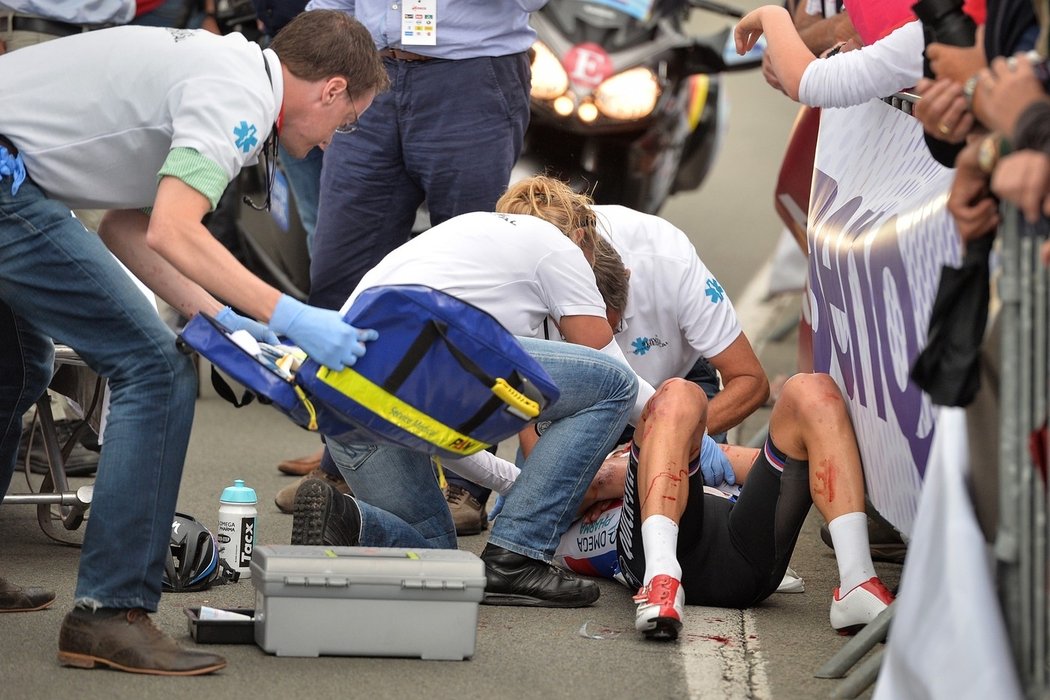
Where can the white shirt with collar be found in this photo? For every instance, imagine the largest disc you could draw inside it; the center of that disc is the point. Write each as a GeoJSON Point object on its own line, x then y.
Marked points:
{"type": "Point", "coordinates": [518, 268]}
{"type": "Point", "coordinates": [138, 93]}
{"type": "Point", "coordinates": [676, 309]}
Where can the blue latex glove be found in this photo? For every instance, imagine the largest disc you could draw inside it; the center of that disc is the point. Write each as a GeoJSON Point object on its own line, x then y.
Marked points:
{"type": "Point", "coordinates": [14, 166]}
{"type": "Point", "coordinates": [322, 334]}
{"type": "Point", "coordinates": [236, 322]}
{"type": "Point", "coordinates": [714, 464]}
{"type": "Point", "coordinates": [496, 507]}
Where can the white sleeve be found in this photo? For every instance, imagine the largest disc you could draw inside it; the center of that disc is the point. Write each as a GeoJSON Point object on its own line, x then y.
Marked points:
{"type": "Point", "coordinates": [645, 389]}
{"type": "Point", "coordinates": [891, 64]}
{"type": "Point", "coordinates": [486, 469]}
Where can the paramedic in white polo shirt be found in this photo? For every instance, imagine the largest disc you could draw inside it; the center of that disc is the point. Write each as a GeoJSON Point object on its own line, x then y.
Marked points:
{"type": "Point", "coordinates": [678, 312]}
{"type": "Point", "coordinates": [151, 124]}
{"type": "Point", "coordinates": [521, 270]}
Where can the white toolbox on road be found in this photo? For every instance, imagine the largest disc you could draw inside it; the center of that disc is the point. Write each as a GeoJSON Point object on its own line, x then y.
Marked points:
{"type": "Point", "coordinates": [366, 601]}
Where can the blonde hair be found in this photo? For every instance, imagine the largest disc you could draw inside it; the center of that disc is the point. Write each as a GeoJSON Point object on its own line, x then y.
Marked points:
{"type": "Point", "coordinates": [555, 202]}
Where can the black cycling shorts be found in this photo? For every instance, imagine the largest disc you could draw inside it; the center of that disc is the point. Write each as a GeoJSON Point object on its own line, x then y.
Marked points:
{"type": "Point", "coordinates": [732, 554]}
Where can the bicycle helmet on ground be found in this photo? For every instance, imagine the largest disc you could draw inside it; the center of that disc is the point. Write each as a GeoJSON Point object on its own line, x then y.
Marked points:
{"type": "Point", "coordinates": [193, 562]}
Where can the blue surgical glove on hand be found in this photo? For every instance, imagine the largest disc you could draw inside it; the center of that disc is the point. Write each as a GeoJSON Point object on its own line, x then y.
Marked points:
{"type": "Point", "coordinates": [322, 334]}
{"type": "Point", "coordinates": [496, 507]}
{"type": "Point", "coordinates": [14, 166]}
{"type": "Point", "coordinates": [714, 464]}
{"type": "Point", "coordinates": [236, 322]}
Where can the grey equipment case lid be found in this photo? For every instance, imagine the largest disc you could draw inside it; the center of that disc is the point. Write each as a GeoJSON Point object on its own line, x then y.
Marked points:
{"type": "Point", "coordinates": [289, 569]}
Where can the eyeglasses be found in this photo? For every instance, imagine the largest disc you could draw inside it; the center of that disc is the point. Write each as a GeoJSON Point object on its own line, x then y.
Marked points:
{"type": "Point", "coordinates": [351, 126]}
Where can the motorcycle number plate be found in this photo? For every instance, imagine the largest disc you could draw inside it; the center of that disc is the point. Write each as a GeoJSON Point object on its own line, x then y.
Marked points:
{"type": "Point", "coordinates": [419, 23]}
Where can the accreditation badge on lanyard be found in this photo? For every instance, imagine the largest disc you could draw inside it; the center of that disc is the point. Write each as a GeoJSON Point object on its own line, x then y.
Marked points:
{"type": "Point", "coordinates": [419, 23]}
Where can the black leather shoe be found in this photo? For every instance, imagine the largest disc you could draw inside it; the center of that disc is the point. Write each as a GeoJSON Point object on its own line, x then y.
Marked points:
{"type": "Point", "coordinates": [514, 579]}
{"type": "Point", "coordinates": [18, 599]}
{"type": "Point", "coordinates": [323, 516]}
{"type": "Point", "coordinates": [127, 640]}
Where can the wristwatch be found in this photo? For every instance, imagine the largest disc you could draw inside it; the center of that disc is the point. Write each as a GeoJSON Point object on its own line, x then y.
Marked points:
{"type": "Point", "coordinates": [988, 152]}
{"type": "Point", "coordinates": [969, 88]}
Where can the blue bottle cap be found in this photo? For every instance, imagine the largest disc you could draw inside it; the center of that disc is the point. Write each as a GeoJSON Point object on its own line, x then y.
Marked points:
{"type": "Point", "coordinates": [238, 493]}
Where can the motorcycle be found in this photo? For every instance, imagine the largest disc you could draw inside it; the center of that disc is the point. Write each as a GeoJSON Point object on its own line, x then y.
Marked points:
{"type": "Point", "coordinates": [626, 104]}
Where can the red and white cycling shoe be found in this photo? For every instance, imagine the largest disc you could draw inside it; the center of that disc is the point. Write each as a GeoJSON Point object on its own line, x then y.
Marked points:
{"type": "Point", "coordinates": [661, 606]}
{"type": "Point", "coordinates": [859, 606]}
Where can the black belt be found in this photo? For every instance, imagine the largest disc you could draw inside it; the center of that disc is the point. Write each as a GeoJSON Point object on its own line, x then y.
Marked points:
{"type": "Point", "coordinates": [400, 55]}
{"type": "Point", "coordinates": [21, 23]}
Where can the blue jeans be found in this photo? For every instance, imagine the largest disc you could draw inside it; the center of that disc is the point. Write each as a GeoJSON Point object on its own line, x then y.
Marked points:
{"type": "Point", "coordinates": [304, 177]}
{"type": "Point", "coordinates": [402, 505]}
{"type": "Point", "coordinates": [420, 140]}
{"type": "Point", "coordinates": [58, 280]}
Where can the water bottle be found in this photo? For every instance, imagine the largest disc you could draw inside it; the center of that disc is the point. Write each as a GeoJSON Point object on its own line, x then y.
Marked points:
{"type": "Point", "coordinates": [236, 535]}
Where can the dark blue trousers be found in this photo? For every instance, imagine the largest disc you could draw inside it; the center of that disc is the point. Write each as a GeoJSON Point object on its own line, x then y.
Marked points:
{"type": "Point", "coordinates": [447, 132]}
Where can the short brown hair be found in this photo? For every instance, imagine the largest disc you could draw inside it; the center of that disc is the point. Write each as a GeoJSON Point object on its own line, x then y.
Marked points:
{"type": "Point", "coordinates": [610, 274]}
{"type": "Point", "coordinates": [320, 44]}
{"type": "Point", "coordinates": [553, 201]}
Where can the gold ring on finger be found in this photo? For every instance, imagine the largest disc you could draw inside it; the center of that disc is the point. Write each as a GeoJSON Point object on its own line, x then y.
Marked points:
{"type": "Point", "coordinates": [944, 129]}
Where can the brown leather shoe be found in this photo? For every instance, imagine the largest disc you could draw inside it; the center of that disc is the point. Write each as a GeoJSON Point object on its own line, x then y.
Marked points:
{"type": "Point", "coordinates": [301, 466]}
{"type": "Point", "coordinates": [285, 498]}
{"type": "Point", "coordinates": [128, 641]}
{"type": "Point", "coordinates": [468, 514]}
{"type": "Point", "coordinates": [18, 599]}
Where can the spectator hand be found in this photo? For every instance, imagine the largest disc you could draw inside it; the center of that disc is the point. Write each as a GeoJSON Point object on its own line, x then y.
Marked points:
{"type": "Point", "coordinates": [942, 110]}
{"type": "Point", "coordinates": [236, 322]}
{"type": "Point", "coordinates": [956, 63]}
{"type": "Point", "coordinates": [714, 464]}
{"type": "Point", "coordinates": [1004, 90]}
{"type": "Point", "coordinates": [970, 202]}
{"type": "Point", "coordinates": [321, 333]}
{"type": "Point", "coordinates": [1024, 179]}
{"type": "Point", "coordinates": [769, 74]}
{"type": "Point", "coordinates": [749, 30]}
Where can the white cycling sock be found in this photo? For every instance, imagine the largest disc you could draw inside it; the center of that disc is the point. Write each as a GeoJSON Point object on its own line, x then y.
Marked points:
{"type": "Point", "coordinates": [849, 536]}
{"type": "Point", "coordinates": [660, 542]}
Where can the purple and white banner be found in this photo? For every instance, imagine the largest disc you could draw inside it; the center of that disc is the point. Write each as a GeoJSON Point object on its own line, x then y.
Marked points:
{"type": "Point", "coordinates": [878, 236]}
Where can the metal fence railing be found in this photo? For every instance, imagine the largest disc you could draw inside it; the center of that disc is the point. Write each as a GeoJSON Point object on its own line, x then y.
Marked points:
{"type": "Point", "coordinates": [1022, 538]}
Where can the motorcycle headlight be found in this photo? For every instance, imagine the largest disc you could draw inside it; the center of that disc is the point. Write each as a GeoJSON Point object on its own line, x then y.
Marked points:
{"type": "Point", "coordinates": [628, 95]}
{"type": "Point", "coordinates": [549, 79]}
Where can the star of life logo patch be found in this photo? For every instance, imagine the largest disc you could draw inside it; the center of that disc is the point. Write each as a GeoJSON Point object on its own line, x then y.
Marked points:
{"type": "Point", "coordinates": [714, 291]}
{"type": "Point", "coordinates": [246, 134]}
{"type": "Point", "coordinates": [642, 345]}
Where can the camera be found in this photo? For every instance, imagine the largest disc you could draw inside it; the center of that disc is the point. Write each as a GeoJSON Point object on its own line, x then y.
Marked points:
{"type": "Point", "coordinates": [944, 22]}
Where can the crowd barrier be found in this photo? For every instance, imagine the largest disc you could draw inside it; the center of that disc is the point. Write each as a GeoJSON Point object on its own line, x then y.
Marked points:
{"type": "Point", "coordinates": [1022, 541]}
{"type": "Point", "coordinates": [969, 616]}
